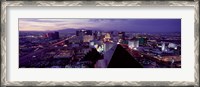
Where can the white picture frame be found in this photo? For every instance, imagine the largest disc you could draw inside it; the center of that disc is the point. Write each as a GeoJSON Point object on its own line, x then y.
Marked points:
{"type": "Point", "coordinates": [4, 53]}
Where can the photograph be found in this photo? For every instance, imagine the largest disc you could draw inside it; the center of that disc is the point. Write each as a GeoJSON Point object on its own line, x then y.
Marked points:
{"type": "Point", "coordinates": [99, 43]}
{"type": "Point", "coordinates": [79, 43]}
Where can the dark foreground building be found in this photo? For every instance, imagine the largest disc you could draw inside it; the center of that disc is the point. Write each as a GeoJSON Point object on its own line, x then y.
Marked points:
{"type": "Point", "coordinates": [122, 59]}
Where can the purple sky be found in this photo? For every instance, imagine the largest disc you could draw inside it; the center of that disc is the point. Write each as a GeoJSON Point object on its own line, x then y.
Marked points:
{"type": "Point", "coordinates": [137, 25]}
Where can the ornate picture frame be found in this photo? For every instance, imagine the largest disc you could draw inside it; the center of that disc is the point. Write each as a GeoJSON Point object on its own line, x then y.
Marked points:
{"type": "Point", "coordinates": [6, 4]}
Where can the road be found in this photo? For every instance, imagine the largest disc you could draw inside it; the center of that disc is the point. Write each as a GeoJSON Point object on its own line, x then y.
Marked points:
{"type": "Point", "coordinates": [138, 54]}
{"type": "Point", "coordinates": [27, 57]}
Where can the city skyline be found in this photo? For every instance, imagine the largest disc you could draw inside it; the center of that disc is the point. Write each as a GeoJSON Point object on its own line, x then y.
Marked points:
{"type": "Point", "coordinates": [99, 43]}
{"type": "Point", "coordinates": [136, 25]}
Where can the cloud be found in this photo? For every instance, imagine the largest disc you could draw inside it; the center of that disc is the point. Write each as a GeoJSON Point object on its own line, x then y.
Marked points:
{"type": "Point", "coordinates": [52, 24]}
{"type": "Point", "coordinates": [139, 25]}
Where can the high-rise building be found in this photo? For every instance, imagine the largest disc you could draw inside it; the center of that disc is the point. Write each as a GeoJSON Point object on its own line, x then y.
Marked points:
{"type": "Point", "coordinates": [49, 35]}
{"type": "Point", "coordinates": [85, 35]}
{"type": "Point", "coordinates": [163, 48]}
{"type": "Point", "coordinates": [142, 41]}
{"type": "Point", "coordinates": [56, 35]}
{"type": "Point", "coordinates": [133, 44]}
{"type": "Point", "coordinates": [121, 35]}
{"type": "Point", "coordinates": [88, 38]}
{"type": "Point", "coordinates": [172, 45]}
{"type": "Point", "coordinates": [80, 32]}
{"type": "Point", "coordinates": [88, 32]}
{"type": "Point", "coordinates": [107, 37]}
{"type": "Point", "coordinates": [53, 35]}
{"type": "Point", "coordinates": [97, 35]}
{"type": "Point", "coordinates": [83, 32]}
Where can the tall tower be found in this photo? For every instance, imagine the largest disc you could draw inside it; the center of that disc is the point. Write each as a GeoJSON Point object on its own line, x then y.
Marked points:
{"type": "Point", "coordinates": [163, 47]}
{"type": "Point", "coordinates": [121, 35]}
{"type": "Point", "coordinates": [107, 37]}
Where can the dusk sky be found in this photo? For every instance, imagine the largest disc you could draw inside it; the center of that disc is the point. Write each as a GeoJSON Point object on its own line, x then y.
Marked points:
{"type": "Point", "coordinates": [137, 25]}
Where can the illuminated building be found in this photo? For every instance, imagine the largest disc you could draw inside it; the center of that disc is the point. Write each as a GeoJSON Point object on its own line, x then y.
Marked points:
{"type": "Point", "coordinates": [80, 32]}
{"type": "Point", "coordinates": [121, 35]}
{"type": "Point", "coordinates": [53, 35]}
{"type": "Point", "coordinates": [100, 49]}
{"type": "Point", "coordinates": [85, 35]}
{"type": "Point", "coordinates": [98, 35]}
{"type": "Point", "coordinates": [172, 45]}
{"type": "Point", "coordinates": [98, 45]}
{"type": "Point", "coordinates": [83, 32]}
{"type": "Point", "coordinates": [163, 48]}
{"type": "Point", "coordinates": [142, 41]}
{"type": "Point", "coordinates": [119, 41]}
{"type": "Point", "coordinates": [107, 37]}
{"type": "Point", "coordinates": [92, 43]}
{"type": "Point", "coordinates": [133, 44]}
{"type": "Point", "coordinates": [87, 38]}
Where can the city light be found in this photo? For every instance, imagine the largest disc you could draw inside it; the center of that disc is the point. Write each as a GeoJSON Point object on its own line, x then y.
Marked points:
{"type": "Point", "coordinates": [115, 46]}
